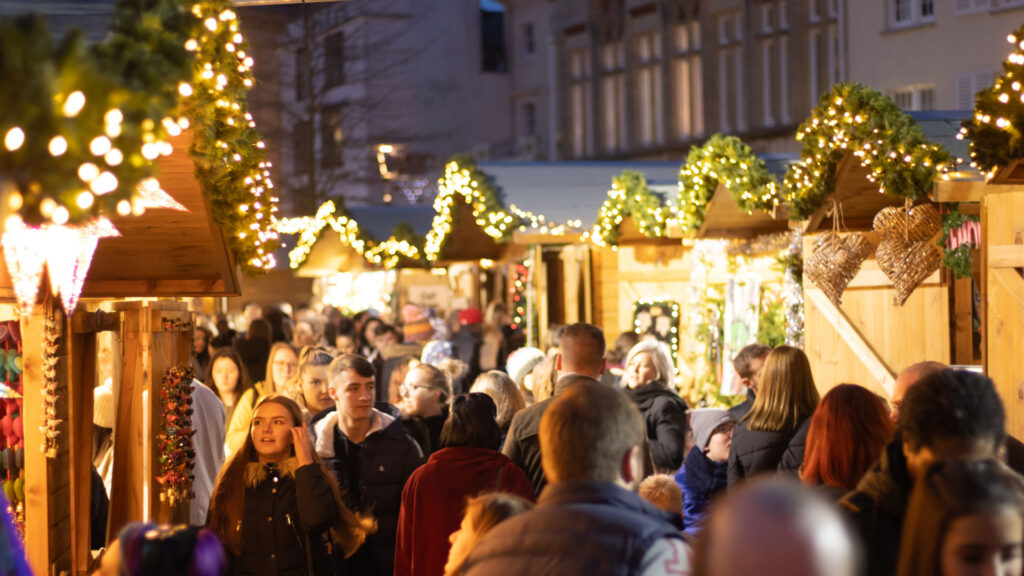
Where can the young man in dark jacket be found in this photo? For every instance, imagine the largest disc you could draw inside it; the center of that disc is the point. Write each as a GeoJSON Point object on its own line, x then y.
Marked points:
{"type": "Point", "coordinates": [370, 454]}
{"type": "Point", "coordinates": [588, 520]}
{"type": "Point", "coordinates": [953, 415]}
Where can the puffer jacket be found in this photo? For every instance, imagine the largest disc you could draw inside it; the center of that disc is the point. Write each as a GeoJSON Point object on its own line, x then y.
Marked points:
{"type": "Point", "coordinates": [288, 512]}
{"type": "Point", "coordinates": [371, 475]}
{"type": "Point", "coordinates": [755, 452]}
{"type": "Point", "coordinates": [665, 423]}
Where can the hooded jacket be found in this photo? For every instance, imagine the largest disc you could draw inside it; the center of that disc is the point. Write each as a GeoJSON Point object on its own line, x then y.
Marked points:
{"type": "Point", "coordinates": [754, 452]}
{"type": "Point", "coordinates": [434, 500]}
{"type": "Point", "coordinates": [877, 508]}
{"type": "Point", "coordinates": [371, 475]}
{"type": "Point", "coordinates": [664, 421]}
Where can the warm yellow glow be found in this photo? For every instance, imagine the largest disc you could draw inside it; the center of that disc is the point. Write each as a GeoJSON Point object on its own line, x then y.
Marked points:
{"type": "Point", "coordinates": [58, 146]}
{"type": "Point", "coordinates": [14, 138]}
{"type": "Point", "coordinates": [74, 104]}
{"type": "Point", "coordinates": [99, 145]}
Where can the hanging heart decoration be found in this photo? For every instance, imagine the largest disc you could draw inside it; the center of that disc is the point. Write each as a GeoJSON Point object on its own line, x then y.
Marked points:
{"type": "Point", "coordinates": [835, 261]}
{"type": "Point", "coordinates": [907, 253]}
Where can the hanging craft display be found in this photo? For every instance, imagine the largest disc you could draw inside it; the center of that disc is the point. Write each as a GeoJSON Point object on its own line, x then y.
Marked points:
{"type": "Point", "coordinates": [177, 456]}
{"type": "Point", "coordinates": [660, 319]}
{"type": "Point", "coordinates": [907, 253]}
{"type": "Point", "coordinates": [12, 437]}
{"type": "Point", "coordinates": [51, 354]}
{"type": "Point", "coordinates": [835, 261]}
{"type": "Point", "coordinates": [960, 234]}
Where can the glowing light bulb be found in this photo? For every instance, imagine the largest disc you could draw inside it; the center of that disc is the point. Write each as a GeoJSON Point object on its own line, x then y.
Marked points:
{"type": "Point", "coordinates": [114, 157]}
{"type": "Point", "coordinates": [60, 216]}
{"type": "Point", "coordinates": [185, 89]}
{"type": "Point", "coordinates": [58, 145]}
{"type": "Point", "coordinates": [211, 24]}
{"type": "Point", "coordinates": [14, 138]}
{"type": "Point", "coordinates": [84, 200]}
{"type": "Point", "coordinates": [124, 208]}
{"type": "Point", "coordinates": [88, 172]}
{"type": "Point", "coordinates": [191, 45]}
{"type": "Point", "coordinates": [105, 183]}
{"type": "Point", "coordinates": [99, 146]}
{"type": "Point", "coordinates": [74, 104]}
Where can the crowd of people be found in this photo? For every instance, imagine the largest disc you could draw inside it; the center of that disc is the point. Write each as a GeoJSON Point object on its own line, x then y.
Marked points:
{"type": "Point", "coordinates": [442, 446]}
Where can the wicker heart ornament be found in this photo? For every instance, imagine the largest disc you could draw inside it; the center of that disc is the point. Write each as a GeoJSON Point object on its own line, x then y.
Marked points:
{"type": "Point", "coordinates": [907, 254]}
{"type": "Point", "coordinates": [835, 262]}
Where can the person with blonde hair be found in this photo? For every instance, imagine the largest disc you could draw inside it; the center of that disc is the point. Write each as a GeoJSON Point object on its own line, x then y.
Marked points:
{"type": "Point", "coordinates": [650, 383]}
{"type": "Point", "coordinates": [282, 364]}
{"type": "Point", "coordinates": [779, 419]}
{"type": "Point", "coordinates": [505, 394]}
{"type": "Point", "coordinates": [308, 387]}
{"type": "Point", "coordinates": [276, 507]}
{"type": "Point", "coordinates": [426, 394]}
{"type": "Point", "coordinates": [482, 513]}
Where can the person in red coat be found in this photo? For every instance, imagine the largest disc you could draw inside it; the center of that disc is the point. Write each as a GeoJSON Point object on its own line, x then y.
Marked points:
{"type": "Point", "coordinates": [434, 499]}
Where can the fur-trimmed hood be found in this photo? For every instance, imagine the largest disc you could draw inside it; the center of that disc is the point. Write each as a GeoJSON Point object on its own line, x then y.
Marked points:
{"type": "Point", "coordinates": [256, 473]}
{"type": "Point", "coordinates": [325, 435]}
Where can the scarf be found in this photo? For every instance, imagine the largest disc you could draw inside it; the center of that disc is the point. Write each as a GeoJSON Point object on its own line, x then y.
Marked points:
{"type": "Point", "coordinates": [705, 478]}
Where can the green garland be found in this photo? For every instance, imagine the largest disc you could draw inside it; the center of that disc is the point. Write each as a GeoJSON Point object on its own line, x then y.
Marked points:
{"type": "Point", "coordinates": [629, 196]}
{"type": "Point", "coordinates": [463, 180]}
{"type": "Point", "coordinates": [996, 129]}
{"type": "Point", "coordinates": [854, 119]}
{"type": "Point", "coordinates": [725, 160]}
{"type": "Point", "coordinates": [82, 127]}
{"type": "Point", "coordinates": [958, 259]}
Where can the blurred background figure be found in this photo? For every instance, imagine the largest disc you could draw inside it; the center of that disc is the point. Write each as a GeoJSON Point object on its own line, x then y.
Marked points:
{"type": "Point", "coordinates": [964, 518]}
{"type": "Point", "coordinates": [779, 419]}
{"type": "Point", "coordinates": [254, 348]}
{"type": "Point", "coordinates": [201, 337]}
{"type": "Point", "coordinates": [152, 550]}
{"type": "Point", "coordinates": [705, 473]}
{"type": "Point", "coordinates": [848, 432]}
{"type": "Point", "coordinates": [505, 394]}
{"type": "Point", "coordinates": [617, 358]}
{"type": "Point", "coordinates": [775, 528]}
{"type": "Point", "coordinates": [482, 513]}
{"type": "Point", "coordinates": [650, 383]}
{"type": "Point", "coordinates": [520, 365]}
{"type": "Point", "coordinates": [227, 377]}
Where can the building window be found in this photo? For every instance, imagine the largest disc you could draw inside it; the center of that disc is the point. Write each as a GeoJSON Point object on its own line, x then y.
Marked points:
{"type": "Point", "coordinates": [529, 39]}
{"type": "Point", "coordinates": [915, 98]}
{"type": "Point", "coordinates": [813, 15]}
{"type": "Point", "coordinates": [579, 102]}
{"type": "Point", "coordinates": [911, 12]}
{"type": "Point", "coordinates": [613, 97]}
{"type": "Point", "coordinates": [784, 15]}
{"type": "Point", "coordinates": [649, 89]}
{"type": "Point", "coordinates": [492, 38]}
{"type": "Point", "coordinates": [687, 82]}
{"type": "Point", "coordinates": [769, 80]}
{"type": "Point", "coordinates": [334, 57]}
{"type": "Point", "coordinates": [529, 119]}
{"type": "Point", "coordinates": [969, 84]}
{"type": "Point", "coordinates": [730, 78]}
{"type": "Point", "coordinates": [332, 137]}
{"type": "Point", "coordinates": [301, 75]}
{"type": "Point", "coordinates": [767, 12]}
{"type": "Point", "coordinates": [302, 147]}
{"type": "Point", "coordinates": [969, 6]}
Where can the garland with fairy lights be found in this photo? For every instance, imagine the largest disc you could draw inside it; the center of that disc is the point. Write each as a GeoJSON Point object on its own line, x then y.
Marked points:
{"type": "Point", "coordinates": [519, 291]}
{"type": "Point", "coordinates": [629, 196]}
{"type": "Point", "coordinates": [853, 119]}
{"type": "Point", "coordinates": [659, 318]}
{"type": "Point", "coordinates": [464, 181]}
{"type": "Point", "coordinates": [177, 456]}
{"type": "Point", "coordinates": [403, 244]}
{"type": "Point", "coordinates": [81, 127]}
{"type": "Point", "coordinates": [995, 130]}
{"type": "Point", "coordinates": [725, 160]}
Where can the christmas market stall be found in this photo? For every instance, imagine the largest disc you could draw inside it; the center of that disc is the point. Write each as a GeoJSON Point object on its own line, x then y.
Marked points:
{"type": "Point", "coordinates": [130, 169]}
{"type": "Point", "coordinates": [876, 297]}
{"type": "Point", "coordinates": [996, 147]}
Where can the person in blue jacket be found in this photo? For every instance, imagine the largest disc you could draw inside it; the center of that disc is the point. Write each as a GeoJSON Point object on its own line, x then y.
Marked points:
{"type": "Point", "coordinates": [705, 472]}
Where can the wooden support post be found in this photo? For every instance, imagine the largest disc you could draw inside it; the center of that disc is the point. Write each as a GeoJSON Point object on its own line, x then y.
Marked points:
{"type": "Point", "coordinates": [588, 285]}
{"type": "Point", "coordinates": [81, 381]}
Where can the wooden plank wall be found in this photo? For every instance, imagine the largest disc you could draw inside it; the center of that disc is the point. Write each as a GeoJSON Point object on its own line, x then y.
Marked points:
{"type": "Point", "coordinates": [917, 331]}
{"type": "Point", "coordinates": [1003, 288]}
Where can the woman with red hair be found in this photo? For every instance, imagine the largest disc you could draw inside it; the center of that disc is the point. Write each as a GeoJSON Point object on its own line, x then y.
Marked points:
{"type": "Point", "coordinates": [848, 432]}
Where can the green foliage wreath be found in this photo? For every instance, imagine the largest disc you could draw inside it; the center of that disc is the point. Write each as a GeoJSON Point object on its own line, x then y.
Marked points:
{"type": "Point", "coordinates": [996, 129]}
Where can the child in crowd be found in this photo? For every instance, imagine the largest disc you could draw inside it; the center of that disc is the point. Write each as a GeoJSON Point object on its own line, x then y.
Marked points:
{"type": "Point", "coordinates": [705, 472]}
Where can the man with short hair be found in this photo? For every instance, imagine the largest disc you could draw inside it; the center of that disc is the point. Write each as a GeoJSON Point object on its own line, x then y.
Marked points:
{"type": "Point", "coordinates": [748, 363]}
{"type": "Point", "coordinates": [949, 414]}
{"type": "Point", "coordinates": [580, 358]}
{"type": "Point", "coordinates": [588, 520]}
{"type": "Point", "coordinates": [908, 377]}
{"type": "Point", "coordinates": [370, 454]}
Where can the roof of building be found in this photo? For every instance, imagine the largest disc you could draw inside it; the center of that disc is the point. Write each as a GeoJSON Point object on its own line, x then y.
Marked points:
{"type": "Point", "coordinates": [380, 221]}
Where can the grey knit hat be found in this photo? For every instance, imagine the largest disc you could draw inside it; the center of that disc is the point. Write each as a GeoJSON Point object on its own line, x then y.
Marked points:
{"type": "Point", "coordinates": [703, 422]}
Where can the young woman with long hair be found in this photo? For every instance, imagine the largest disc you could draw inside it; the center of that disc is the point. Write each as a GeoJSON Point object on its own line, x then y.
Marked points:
{"type": "Point", "coordinates": [848, 432]}
{"type": "Point", "coordinates": [282, 364]}
{"type": "Point", "coordinates": [964, 518]}
{"type": "Point", "coordinates": [308, 386]}
{"type": "Point", "coordinates": [275, 507]}
{"type": "Point", "coordinates": [482, 514]}
{"type": "Point", "coordinates": [227, 377]}
{"type": "Point", "coordinates": [779, 419]}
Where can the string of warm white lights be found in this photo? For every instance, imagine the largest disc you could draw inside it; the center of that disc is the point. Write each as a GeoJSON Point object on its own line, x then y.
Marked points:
{"type": "Point", "coordinates": [629, 196]}
{"type": "Point", "coordinates": [998, 121]}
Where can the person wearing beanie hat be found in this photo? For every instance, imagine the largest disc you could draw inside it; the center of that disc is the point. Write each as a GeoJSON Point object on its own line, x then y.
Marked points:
{"type": "Point", "coordinates": [705, 472]}
{"type": "Point", "coordinates": [522, 362]}
{"type": "Point", "coordinates": [415, 325]}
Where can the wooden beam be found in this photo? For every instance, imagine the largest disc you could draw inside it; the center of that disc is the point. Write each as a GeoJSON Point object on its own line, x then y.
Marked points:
{"type": "Point", "coordinates": [1006, 256]}
{"type": "Point", "coordinates": [867, 355]}
{"type": "Point", "coordinates": [81, 381]}
{"type": "Point", "coordinates": [531, 237]}
{"type": "Point", "coordinates": [37, 478]}
{"type": "Point", "coordinates": [91, 322]}
{"type": "Point", "coordinates": [970, 190]}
